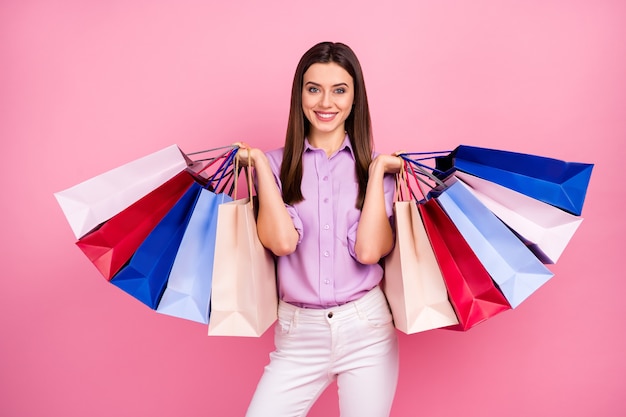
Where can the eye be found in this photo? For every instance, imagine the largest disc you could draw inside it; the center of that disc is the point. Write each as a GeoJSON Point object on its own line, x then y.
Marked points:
{"type": "Point", "coordinates": [340, 90]}
{"type": "Point", "coordinates": [313, 90]}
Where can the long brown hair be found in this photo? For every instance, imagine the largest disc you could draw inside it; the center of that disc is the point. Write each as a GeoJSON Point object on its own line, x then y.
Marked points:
{"type": "Point", "coordinates": [358, 124]}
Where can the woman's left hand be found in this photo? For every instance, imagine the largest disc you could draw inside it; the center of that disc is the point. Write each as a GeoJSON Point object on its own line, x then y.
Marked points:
{"type": "Point", "coordinates": [390, 164]}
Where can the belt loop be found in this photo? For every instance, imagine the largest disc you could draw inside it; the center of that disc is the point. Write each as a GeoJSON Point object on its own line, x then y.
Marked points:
{"type": "Point", "coordinates": [358, 310]}
{"type": "Point", "coordinates": [295, 318]}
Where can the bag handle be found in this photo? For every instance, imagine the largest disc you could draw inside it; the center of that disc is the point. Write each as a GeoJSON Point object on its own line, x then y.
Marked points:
{"type": "Point", "coordinates": [225, 169]}
{"type": "Point", "coordinates": [402, 180]}
{"type": "Point", "coordinates": [223, 173]}
{"type": "Point", "coordinates": [421, 168]}
{"type": "Point", "coordinates": [248, 176]}
{"type": "Point", "coordinates": [219, 148]}
{"type": "Point", "coordinates": [425, 156]}
{"type": "Point", "coordinates": [418, 182]}
{"type": "Point", "coordinates": [418, 172]}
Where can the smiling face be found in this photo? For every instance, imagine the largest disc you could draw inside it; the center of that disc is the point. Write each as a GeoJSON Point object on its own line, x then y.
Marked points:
{"type": "Point", "coordinates": [327, 98]}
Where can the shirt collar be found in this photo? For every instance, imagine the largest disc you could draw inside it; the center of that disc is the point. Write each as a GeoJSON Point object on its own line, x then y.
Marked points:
{"type": "Point", "coordinates": [344, 145]}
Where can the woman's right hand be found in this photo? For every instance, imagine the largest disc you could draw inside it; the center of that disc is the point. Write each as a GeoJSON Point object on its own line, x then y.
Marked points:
{"type": "Point", "coordinates": [274, 224]}
{"type": "Point", "coordinates": [245, 154]}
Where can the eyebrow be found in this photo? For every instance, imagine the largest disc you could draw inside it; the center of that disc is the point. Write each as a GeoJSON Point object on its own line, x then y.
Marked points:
{"type": "Point", "coordinates": [319, 85]}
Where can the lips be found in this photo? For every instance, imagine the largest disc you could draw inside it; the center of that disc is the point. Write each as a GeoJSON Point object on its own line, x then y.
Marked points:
{"type": "Point", "coordinates": [325, 116]}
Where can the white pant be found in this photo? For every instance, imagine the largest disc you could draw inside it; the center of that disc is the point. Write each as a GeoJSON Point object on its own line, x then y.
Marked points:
{"type": "Point", "coordinates": [355, 343]}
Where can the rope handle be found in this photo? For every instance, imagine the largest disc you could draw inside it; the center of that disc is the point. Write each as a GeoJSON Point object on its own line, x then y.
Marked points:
{"type": "Point", "coordinates": [248, 176]}
{"type": "Point", "coordinates": [229, 147]}
{"type": "Point", "coordinates": [418, 173]}
{"type": "Point", "coordinates": [401, 179]}
{"type": "Point", "coordinates": [417, 161]}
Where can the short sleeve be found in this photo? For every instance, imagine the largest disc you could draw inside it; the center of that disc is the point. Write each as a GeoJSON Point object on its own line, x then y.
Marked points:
{"type": "Point", "coordinates": [389, 187]}
{"type": "Point", "coordinates": [275, 158]}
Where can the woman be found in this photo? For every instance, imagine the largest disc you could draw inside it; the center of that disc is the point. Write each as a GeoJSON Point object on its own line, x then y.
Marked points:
{"type": "Point", "coordinates": [325, 204]}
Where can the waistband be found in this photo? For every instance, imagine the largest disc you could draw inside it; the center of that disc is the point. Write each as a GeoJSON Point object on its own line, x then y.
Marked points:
{"type": "Point", "coordinates": [373, 298]}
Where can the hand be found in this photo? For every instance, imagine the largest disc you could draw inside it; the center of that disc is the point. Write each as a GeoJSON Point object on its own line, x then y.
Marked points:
{"type": "Point", "coordinates": [245, 154]}
{"type": "Point", "coordinates": [391, 164]}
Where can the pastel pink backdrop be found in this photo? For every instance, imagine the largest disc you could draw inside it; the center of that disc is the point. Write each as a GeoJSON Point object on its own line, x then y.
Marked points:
{"type": "Point", "coordinates": [88, 85]}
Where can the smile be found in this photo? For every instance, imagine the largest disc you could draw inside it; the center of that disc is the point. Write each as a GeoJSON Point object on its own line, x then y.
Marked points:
{"type": "Point", "coordinates": [325, 116]}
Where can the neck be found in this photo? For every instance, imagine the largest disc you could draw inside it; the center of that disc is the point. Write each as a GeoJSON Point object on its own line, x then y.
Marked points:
{"type": "Point", "coordinates": [328, 141]}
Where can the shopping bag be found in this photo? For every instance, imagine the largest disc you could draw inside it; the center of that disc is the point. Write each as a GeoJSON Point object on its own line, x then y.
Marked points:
{"type": "Point", "coordinates": [559, 183]}
{"type": "Point", "coordinates": [545, 229]}
{"type": "Point", "coordinates": [515, 269]}
{"type": "Point", "coordinates": [145, 276]}
{"type": "Point", "coordinates": [471, 290]}
{"type": "Point", "coordinates": [188, 289]}
{"type": "Point", "coordinates": [413, 283]}
{"type": "Point", "coordinates": [96, 200]}
{"type": "Point", "coordinates": [244, 298]}
{"type": "Point", "coordinates": [110, 246]}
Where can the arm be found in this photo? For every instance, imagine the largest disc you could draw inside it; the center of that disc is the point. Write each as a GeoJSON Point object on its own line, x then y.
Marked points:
{"type": "Point", "coordinates": [374, 236]}
{"type": "Point", "coordinates": [274, 225]}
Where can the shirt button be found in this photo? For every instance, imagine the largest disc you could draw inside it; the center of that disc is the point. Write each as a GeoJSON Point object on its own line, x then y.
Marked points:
{"type": "Point", "coordinates": [326, 254]}
{"type": "Point", "coordinates": [326, 227]}
{"type": "Point", "coordinates": [325, 178]}
{"type": "Point", "coordinates": [327, 281]}
{"type": "Point", "coordinates": [330, 314]}
{"type": "Point", "coordinates": [325, 200]}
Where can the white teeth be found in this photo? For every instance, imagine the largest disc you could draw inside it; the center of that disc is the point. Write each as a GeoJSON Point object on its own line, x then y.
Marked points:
{"type": "Point", "coordinates": [325, 115]}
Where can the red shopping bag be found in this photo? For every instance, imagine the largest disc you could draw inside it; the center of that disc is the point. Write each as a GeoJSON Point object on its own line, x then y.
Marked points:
{"type": "Point", "coordinates": [471, 291]}
{"type": "Point", "coordinates": [111, 245]}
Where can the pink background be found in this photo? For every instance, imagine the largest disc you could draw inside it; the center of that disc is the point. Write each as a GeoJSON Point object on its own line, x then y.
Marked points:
{"type": "Point", "coordinates": [88, 85]}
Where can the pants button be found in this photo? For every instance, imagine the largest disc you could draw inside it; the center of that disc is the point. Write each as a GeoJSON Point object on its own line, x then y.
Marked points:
{"type": "Point", "coordinates": [330, 315]}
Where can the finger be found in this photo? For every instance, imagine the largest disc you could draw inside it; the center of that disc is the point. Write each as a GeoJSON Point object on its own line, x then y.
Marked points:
{"type": "Point", "coordinates": [242, 145]}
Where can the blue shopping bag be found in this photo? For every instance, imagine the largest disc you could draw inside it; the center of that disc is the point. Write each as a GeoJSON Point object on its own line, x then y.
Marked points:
{"type": "Point", "coordinates": [188, 290]}
{"type": "Point", "coordinates": [515, 269]}
{"type": "Point", "coordinates": [559, 183]}
{"type": "Point", "coordinates": [145, 276]}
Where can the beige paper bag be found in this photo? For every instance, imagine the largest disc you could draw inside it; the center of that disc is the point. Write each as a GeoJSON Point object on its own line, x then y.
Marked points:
{"type": "Point", "coordinates": [413, 282]}
{"type": "Point", "coordinates": [244, 298]}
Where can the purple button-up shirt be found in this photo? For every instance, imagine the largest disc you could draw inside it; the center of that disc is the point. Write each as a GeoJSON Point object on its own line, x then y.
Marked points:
{"type": "Point", "coordinates": [323, 271]}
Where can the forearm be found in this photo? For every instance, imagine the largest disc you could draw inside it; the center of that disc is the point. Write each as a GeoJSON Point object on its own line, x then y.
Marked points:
{"type": "Point", "coordinates": [374, 237]}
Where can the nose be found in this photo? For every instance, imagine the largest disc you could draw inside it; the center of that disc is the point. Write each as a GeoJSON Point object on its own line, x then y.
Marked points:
{"type": "Point", "coordinates": [326, 100]}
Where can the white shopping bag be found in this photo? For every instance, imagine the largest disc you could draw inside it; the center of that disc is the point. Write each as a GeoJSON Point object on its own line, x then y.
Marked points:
{"type": "Point", "coordinates": [88, 204]}
{"type": "Point", "coordinates": [545, 229]}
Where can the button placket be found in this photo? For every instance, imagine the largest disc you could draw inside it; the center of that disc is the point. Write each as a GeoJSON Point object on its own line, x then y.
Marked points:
{"type": "Point", "coordinates": [325, 221]}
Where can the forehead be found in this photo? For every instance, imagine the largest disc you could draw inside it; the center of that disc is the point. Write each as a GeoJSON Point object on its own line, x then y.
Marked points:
{"type": "Point", "coordinates": [329, 73]}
